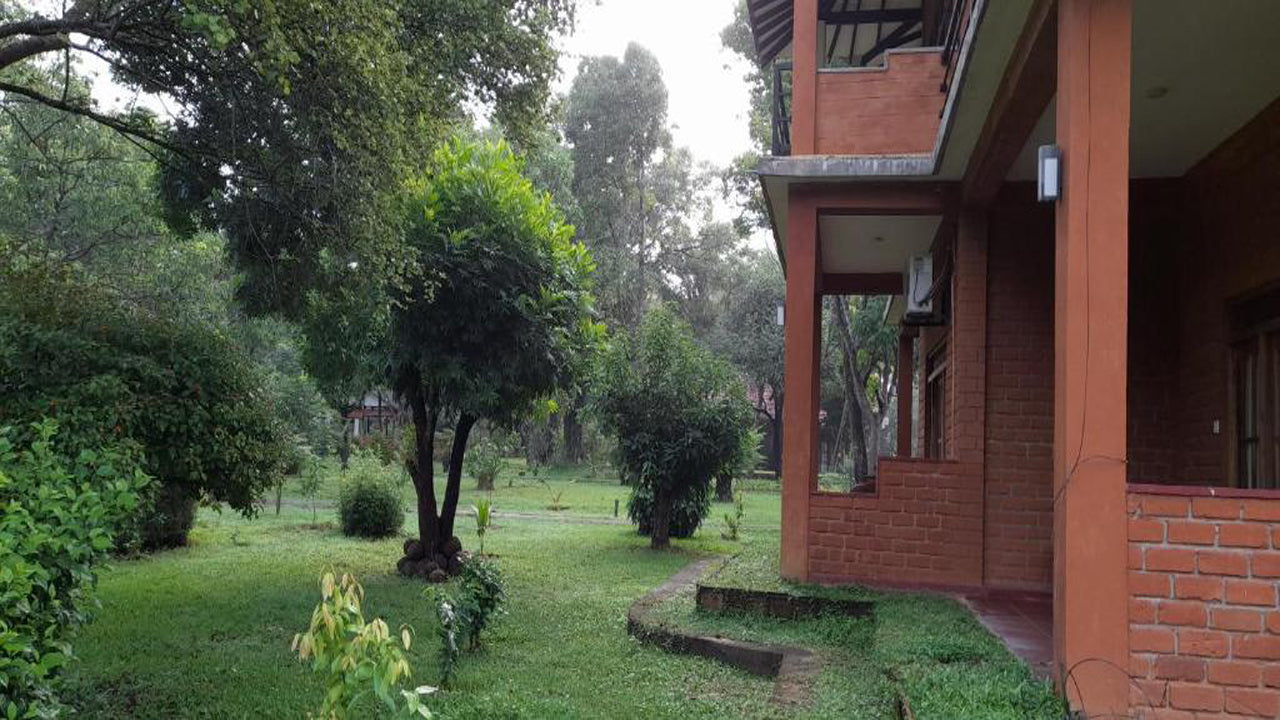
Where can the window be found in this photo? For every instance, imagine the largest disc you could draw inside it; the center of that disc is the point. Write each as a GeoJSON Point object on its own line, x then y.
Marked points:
{"type": "Point", "coordinates": [935, 404]}
{"type": "Point", "coordinates": [1255, 391]}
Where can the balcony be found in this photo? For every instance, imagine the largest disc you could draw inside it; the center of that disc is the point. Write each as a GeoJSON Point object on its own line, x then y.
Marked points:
{"type": "Point", "coordinates": [882, 76]}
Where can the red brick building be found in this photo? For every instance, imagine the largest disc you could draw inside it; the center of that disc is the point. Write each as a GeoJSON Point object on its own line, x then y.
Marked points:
{"type": "Point", "coordinates": [1096, 392]}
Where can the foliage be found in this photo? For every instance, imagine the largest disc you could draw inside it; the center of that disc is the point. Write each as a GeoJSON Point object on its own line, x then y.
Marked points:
{"type": "Point", "coordinates": [687, 514]}
{"type": "Point", "coordinates": [309, 481]}
{"type": "Point", "coordinates": [485, 463]}
{"type": "Point", "coordinates": [58, 521]}
{"type": "Point", "coordinates": [357, 657]}
{"type": "Point", "coordinates": [184, 394]}
{"type": "Point", "coordinates": [484, 518]}
{"type": "Point", "coordinates": [369, 502]}
{"type": "Point", "coordinates": [466, 612]}
{"type": "Point", "coordinates": [678, 411]}
{"type": "Point", "coordinates": [733, 521]}
{"type": "Point", "coordinates": [500, 319]}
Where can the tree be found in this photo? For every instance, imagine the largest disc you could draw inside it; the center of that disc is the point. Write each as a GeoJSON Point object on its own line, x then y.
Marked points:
{"type": "Point", "coordinates": [300, 120]}
{"type": "Point", "coordinates": [616, 124]}
{"type": "Point", "coordinates": [501, 320]}
{"type": "Point", "coordinates": [868, 369]}
{"type": "Point", "coordinates": [679, 413]}
{"type": "Point", "coordinates": [184, 394]}
{"type": "Point", "coordinates": [751, 337]}
{"type": "Point", "coordinates": [740, 182]}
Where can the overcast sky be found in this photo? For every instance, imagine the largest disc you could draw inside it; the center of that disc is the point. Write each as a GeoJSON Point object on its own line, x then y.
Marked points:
{"type": "Point", "coordinates": [709, 99]}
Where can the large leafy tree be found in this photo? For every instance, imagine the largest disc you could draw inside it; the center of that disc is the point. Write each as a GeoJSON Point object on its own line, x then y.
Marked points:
{"type": "Point", "coordinates": [679, 412]}
{"type": "Point", "coordinates": [740, 182]}
{"type": "Point", "coordinates": [501, 320]}
{"type": "Point", "coordinates": [867, 365]}
{"type": "Point", "coordinates": [749, 334]}
{"type": "Point", "coordinates": [297, 121]}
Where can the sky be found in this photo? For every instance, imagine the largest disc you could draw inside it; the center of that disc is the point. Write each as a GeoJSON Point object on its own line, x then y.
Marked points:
{"type": "Point", "coordinates": [708, 98]}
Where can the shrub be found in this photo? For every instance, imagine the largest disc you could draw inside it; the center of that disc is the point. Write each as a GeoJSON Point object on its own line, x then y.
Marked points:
{"type": "Point", "coordinates": [733, 521]}
{"type": "Point", "coordinates": [484, 518]}
{"type": "Point", "coordinates": [309, 481]}
{"type": "Point", "coordinates": [485, 463]}
{"type": "Point", "coordinates": [687, 514]}
{"type": "Point", "coordinates": [357, 657]}
{"type": "Point", "coordinates": [464, 614]}
{"type": "Point", "coordinates": [369, 503]}
{"type": "Point", "coordinates": [185, 395]}
{"type": "Point", "coordinates": [678, 411]}
{"type": "Point", "coordinates": [58, 519]}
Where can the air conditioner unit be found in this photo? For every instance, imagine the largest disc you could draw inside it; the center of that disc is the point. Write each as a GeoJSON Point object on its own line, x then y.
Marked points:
{"type": "Point", "coordinates": [919, 303]}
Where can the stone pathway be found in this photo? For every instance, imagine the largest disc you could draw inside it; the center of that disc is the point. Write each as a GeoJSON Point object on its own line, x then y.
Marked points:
{"type": "Point", "coordinates": [794, 668]}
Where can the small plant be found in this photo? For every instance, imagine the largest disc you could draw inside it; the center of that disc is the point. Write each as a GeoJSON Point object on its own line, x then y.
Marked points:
{"type": "Point", "coordinates": [484, 462]}
{"type": "Point", "coordinates": [369, 504]}
{"type": "Point", "coordinates": [484, 519]}
{"type": "Point", "coordinates": [309, 482]}
{"type": "Point", "coordinates": [467, 612]}
{"type": "Point", "coordinates": [556, 495]}
{"type": "Point", "coordinates": [357, 656]}
{"type": "Point", "coordinates": [733, 521]}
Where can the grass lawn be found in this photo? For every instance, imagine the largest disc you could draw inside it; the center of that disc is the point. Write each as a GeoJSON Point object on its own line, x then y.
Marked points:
{"type": "Point", "coordinates": [204, 632]}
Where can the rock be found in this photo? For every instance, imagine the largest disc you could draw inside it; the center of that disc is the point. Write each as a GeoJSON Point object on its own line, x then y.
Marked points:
{"type": "Point", "coordinates": [441, 560]}
{"type": "Point", "coordinates": [423, 568]}
{"type": "Point", "coordinates": [405, 566]}
{"type": "Point", "coordinates": [453, 546]}
{"type": "Point", "coordinates": [455, 563]}
{"type": "Point", "coordinates": [437, 576]}
{"type": "Point", "coordinates": [413, 549]}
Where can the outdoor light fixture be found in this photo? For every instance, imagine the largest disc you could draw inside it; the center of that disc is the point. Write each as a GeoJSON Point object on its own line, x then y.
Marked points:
{"type": "Point", "coordinates": [781, 314]}
{"type": "Point", "coordinates": [1050, 173]}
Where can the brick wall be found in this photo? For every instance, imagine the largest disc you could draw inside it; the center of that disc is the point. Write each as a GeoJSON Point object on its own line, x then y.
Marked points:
{"type": "Point", "coordinates": [1204, 624]}
{"type": "Point", "coordinates": [893, 110]}
{"type": "Point", "coordinates": [1018, 543]}
{"type": "Point", "coordinates": [922, 527]}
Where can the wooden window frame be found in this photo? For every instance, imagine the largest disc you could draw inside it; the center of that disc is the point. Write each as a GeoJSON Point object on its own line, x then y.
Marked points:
{"type": "Point", "coordinates": [935, 403]}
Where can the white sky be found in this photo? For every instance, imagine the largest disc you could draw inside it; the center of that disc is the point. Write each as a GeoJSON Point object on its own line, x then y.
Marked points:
{"type": "Point", "coordinates": [708, 98]}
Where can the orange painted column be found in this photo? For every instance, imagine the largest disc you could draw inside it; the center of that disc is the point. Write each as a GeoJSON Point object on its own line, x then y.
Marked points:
{"type": "Point", "coordinates": [802, 375]}
{"type": "Point", "coordinates": [1090, 536]}
{"type": "Point", "coordinates": [906, 382]}
{"type": "Point", "coordinates": [804, 77]}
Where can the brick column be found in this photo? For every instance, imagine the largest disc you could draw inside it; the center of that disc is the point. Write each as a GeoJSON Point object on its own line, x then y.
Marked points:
{"type": "Point", "coordinates": [1090, 365]}
{"type": "Point", "coordinates": [804, 77]}
{"type": "Point", "coordinates": [802, 375]}
{"type": "Point", "coordinates": [906, 382]}
{"type": "Point", "coordinates": [967, 367]}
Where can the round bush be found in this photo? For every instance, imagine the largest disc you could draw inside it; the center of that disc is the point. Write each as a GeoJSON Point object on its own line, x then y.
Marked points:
{"type": "Point", "coordinates": [687, 514]}
{"type": "Point", "coordinates": [369, 503]}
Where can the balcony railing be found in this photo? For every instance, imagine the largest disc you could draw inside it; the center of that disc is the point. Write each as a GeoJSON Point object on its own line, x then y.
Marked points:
{"type": "Point", "coordinates": [781, 109]}
{"type": "Point", "coordinates": [956, 18]}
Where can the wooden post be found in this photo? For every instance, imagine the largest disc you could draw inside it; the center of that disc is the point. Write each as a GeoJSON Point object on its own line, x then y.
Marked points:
{"type": "Point", "coordinates": [1090, 539]}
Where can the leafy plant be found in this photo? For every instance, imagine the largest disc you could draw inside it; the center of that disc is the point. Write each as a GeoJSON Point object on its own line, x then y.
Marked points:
{"type": "Point", "coordinates": [485, 463]}
{"type": "Point", "coordinates": [357, 657]}
{"type": "Point", "coordinates": [58, 519]}
{"type": "Point", "coordinates": [183, 393]}
{"type": "Point", "coordinates": [556, 505]}
{"type": "Point", "coordinates": [309, 481]}
{"type": "Point", "coordinates": [678, 412]}
{"type": "Point", "coordinates": [687, 513]}
{"type": "Point", "coordinates": [484, 518]}
{"type": "Point", "coordinates": [369, 504]}
{"type": "Point", "coordinates": [467, 612]}
{"type": "Point", "coordinates": [733, 521]}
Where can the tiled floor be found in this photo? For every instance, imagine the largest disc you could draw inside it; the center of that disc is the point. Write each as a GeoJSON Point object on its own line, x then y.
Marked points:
{"type": "Point", "coordinates": [1024, 621]}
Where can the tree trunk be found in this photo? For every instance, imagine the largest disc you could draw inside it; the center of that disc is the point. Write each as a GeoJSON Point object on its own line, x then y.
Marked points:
{"type": "Point", "coordinates": [422, 467]}
{"type": "Point", "coordinates": [853, 386]}
{"type": "Point", "coordinates": [484, 483]}
{"type": "Point", "coordinates": [344, 445]}
{"type": "Point", "coordinates": [663, 502]}
{"type": "Point", "coordinates": [724, 487]}
{"type": "Point", "coordinates": [453, 487]}
{"type": "Point", "coordinates": [573, 452]}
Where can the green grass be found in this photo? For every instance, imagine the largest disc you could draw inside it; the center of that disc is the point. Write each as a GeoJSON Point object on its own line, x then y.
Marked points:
{"type": "Point", "coordinates": [204, 632]}
{"type": "Point", "coordinates": [581, 494]}
{"type": "Point", "coordinates": [929, 646]}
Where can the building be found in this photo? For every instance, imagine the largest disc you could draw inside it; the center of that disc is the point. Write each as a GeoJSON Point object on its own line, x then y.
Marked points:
{"type": "Point", "coordinates": [1097, 405]}
{"type": "Point", "coordinates": [377, 414]}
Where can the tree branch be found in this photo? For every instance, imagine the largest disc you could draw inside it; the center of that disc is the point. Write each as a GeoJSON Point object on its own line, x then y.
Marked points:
{"type": "Point", "coordinates": [83, 111]}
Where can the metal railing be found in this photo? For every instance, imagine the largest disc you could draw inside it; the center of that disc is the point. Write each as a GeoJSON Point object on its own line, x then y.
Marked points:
{"type": "Point", "coordinates": [956, 18]}
{"type": "Point", "coordinates": [781, 145]}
